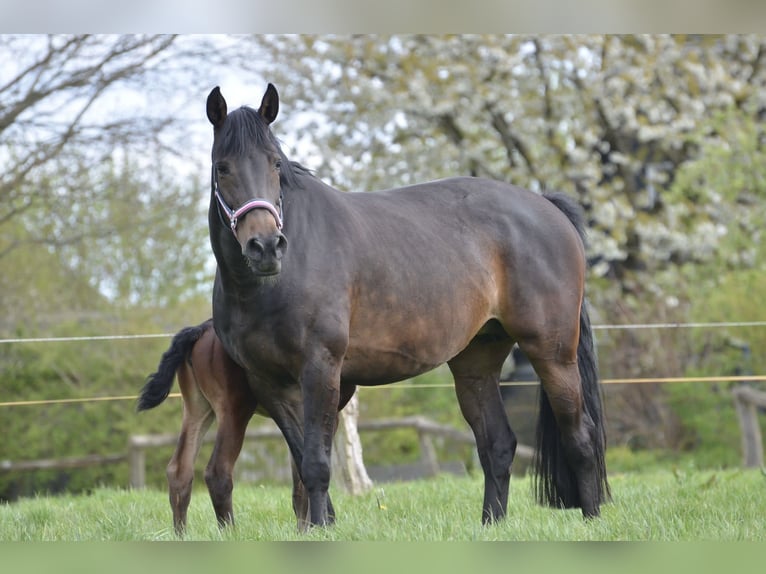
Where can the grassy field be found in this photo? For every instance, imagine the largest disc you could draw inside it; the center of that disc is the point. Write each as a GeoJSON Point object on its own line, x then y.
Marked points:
{"type": "Point", "coordinates": [658, 505]}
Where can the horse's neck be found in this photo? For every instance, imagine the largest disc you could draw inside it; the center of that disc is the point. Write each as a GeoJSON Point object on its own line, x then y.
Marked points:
{"type": "Point", "coordinates": [311, 210]}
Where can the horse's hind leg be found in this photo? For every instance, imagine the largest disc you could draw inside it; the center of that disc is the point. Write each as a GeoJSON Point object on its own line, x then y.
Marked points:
{"type": "Point", "coordinates": [476, 371]}
{"type": "Point", "coordinates": [567, 435]}
{"type": "Point", "coordinates": [197, 417]}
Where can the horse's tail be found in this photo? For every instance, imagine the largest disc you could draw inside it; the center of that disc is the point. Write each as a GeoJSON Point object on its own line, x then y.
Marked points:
{"type": "Point", "coordinates": [158, 384]}
{"type": "Point", "coordinates": [556, 482]}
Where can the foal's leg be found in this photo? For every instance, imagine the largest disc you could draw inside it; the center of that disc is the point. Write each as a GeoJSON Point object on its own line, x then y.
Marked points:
{"type": "Point", "coordinates": [476, 371]}
{"type": "Point", "coordinates": [300, 499]}
{"type": "Point", "coordinates": [225, 384]}
{"type": "Point", "coordinates": [197, 417]}
{"type": "Point", "coordinates": [218, 474]}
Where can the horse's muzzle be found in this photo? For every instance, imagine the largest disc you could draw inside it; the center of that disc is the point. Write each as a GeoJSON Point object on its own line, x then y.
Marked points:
{"type": "Point", "coordinates": [264, 254]}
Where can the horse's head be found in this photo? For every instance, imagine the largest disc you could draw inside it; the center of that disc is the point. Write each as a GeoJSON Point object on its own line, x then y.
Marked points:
{"type": "Point", "coordinates": [246, 178]}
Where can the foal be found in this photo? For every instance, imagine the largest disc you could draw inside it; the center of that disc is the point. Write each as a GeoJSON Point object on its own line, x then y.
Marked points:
{"type": "Point", "coordinates": [213, 387]}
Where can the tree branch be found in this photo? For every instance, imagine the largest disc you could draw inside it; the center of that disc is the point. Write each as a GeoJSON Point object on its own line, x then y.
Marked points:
{"type": "Point", "coordinates": [510, 140]}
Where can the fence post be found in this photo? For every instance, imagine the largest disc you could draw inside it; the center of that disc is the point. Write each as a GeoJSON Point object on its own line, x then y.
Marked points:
{"type": "Point", "coordinates": [428, 452]}
{"type": "Point", "coordinates": [752, 444]}
{"type": "Point", "coordinates": [137, 463]}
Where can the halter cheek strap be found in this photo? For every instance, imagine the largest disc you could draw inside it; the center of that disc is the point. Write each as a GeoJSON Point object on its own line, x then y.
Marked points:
{"type": "Point", "coordinates": [234, 215]}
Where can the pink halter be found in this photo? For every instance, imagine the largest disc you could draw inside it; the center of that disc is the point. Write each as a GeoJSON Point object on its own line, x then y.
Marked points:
{"type": "Point", "coordinates": [234, 215]}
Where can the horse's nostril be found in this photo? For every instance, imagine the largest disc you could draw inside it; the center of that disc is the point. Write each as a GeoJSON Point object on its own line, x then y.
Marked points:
{"type": "Point", "coordinates": [281, 243]}
{"type": "Point", "coordinates": [261, 249]}
{"type": "Point", "coordinates": [254, 249]}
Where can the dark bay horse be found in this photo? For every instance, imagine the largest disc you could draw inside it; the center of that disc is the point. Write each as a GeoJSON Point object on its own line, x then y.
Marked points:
{"type": "Point", "coordinates": [316, 289]}
{"type": "Point", "coordinates": [213, 387]}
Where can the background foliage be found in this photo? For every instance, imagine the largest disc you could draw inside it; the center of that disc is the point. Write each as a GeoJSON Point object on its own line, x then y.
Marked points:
{"type": "Point", "coordinates": [103, 199]}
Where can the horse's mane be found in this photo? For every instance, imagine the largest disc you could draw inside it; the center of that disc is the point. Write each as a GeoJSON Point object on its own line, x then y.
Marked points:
{"type": "Point", "coordinates": [299, 169]}
{"type": "Point", "coordinates": [245, 129]}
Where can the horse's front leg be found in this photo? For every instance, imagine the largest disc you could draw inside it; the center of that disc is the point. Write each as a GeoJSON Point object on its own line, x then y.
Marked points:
{"type": "Point", "coordinates": [320, 384]}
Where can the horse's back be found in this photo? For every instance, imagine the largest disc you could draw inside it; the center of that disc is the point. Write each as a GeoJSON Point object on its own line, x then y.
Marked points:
{"type": "Point", "coordinates": [462, 207]}
{"type": "Point", "coordinates": [468, 230]}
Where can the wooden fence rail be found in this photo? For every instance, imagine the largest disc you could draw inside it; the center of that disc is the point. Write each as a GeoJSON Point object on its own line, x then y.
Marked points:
{"type": "Point", "coordinates": [747, 400]}
{"type": "Point", "coordinates": [427, 431]}
{"type": "Point", "coordinates": [138, 444]}
{"type": "Point", "coordinates": [62, 463]}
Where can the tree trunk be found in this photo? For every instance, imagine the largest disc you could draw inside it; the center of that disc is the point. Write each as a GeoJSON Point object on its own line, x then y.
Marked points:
{"type": "Point", "coordinates": [348, 465]}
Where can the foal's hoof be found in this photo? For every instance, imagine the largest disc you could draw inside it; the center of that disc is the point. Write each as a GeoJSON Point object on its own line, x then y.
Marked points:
{"type": "Point", "coordinates": [489, 518]}
{"type": "Point", "coordinates": [303, 525]}
{"type": "Point", "coordinates": [591, 514]}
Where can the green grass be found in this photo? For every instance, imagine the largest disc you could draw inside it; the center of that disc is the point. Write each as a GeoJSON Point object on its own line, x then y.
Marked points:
{"type": "Point", "coordinates": [656, 505]}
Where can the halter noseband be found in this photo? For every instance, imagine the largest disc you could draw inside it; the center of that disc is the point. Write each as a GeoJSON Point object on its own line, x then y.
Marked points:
{"type": "Point", "coordinates": [233, 215]}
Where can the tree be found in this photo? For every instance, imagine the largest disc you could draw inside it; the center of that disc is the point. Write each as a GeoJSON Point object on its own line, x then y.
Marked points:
{"type": "Point", "coordinates": [609, 119]}
{"type": "Point", "coordinates": [50, 93]}
{"type": "Point", "coordinates": [99, 234]}
{"type": "Point", "coordinates": [93, 169]}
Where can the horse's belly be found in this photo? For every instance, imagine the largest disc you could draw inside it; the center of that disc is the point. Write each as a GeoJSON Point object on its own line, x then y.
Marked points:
{"type": "Point", "coordinates": [380, 354]}
{"type": "Point", "coordinates": [370, 367]}
{"type": "Point", "coordinates": [397, 333]}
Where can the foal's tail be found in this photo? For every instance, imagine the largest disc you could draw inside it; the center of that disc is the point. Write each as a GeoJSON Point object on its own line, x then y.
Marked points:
{"type": "Point", "coordinates": [556, 482]}
{"type": "Point", "coordinates": [158, 384]}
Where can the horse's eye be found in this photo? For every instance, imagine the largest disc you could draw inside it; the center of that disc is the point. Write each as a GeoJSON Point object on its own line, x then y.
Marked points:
{"type": "Point", "coordinates": [222, 169]}
{"type": "Point", "coordinates": [278, 165]}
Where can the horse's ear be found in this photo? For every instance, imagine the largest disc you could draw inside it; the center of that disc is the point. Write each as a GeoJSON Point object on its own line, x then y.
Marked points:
{"type": "Point", "coordinates": [216, 108]}
{"type": "Point", "coordinates": [269, 104]}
